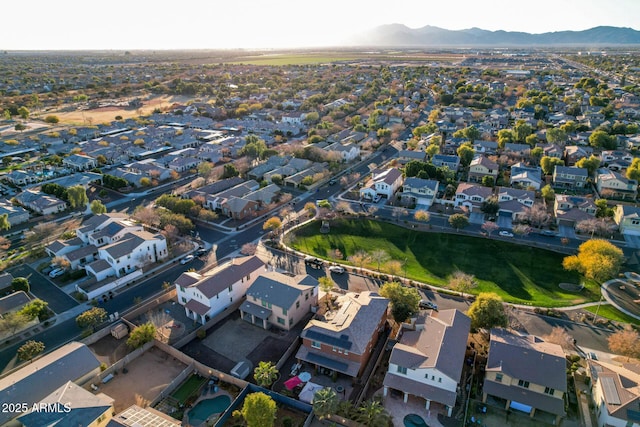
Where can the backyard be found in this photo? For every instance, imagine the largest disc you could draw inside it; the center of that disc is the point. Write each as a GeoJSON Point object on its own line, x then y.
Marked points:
{"type": "Point", "coordinates": [518, 273]}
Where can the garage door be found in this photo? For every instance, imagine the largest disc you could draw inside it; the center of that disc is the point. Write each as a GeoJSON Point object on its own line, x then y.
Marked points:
{"type": "Point", "coordinates": [520, 407]}
{"type": "Point", "coordinates": [505, 213]}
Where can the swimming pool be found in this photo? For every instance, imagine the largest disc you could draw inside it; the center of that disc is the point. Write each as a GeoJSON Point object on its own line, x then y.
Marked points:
{"type": "Point", "coordinates": [207, 407]}
{"type": "Point", "coordinates": [414, 420]}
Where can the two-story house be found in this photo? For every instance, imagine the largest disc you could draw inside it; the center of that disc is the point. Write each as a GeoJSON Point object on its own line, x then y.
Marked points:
{"type": "Point", "coordinates": [427, 362]}
{"type": "Point", "coordinates": [107, 228]}
{"type": "Point", "coordinates": [131, 252]}
{"type": "Point", "coordinates": [616, 160]}
{"type": "Point", "coordinates": [514, 202]}
{"type": "Point", "coordinates": [524, 176]}
{"type": "Point", "coordinates": [569, 177]}
{"type": "Point", "coordinates": [615, 394]}
{"type": "Point", "coordinates": [480, 167]}
{"type": "Point", "coordinates": [570, 210]}
{"type": "Point", "coordinates": [275, 299]}
{"type": "Point", "coordinates": [343, 339]}
{"type": "Point", "coordinates": [452, 162]}
{"type": "Point", "coordinates": [206, 295]}
{"type": "Point", "coordinates": [628, 219]}
{"type": "Point", "coordinates": [613, 184]}
{"type": "Point", "coordinates": [383, 183]}
{"type": "Point", "coordinates": [471, 196]}
{"type": "Point", "coordinates": [347, 152]}
{"type": "Point", "coordinates": [525, 373]}
{"type": "Point", "coordinates": [419, 192]}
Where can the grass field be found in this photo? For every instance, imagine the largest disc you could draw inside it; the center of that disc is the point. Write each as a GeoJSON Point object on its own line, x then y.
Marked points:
{"type": "Point", "coordinates": [518, 273]}
{"type": "Point", "coordinates": [188, 388]}
{"type": "Point", "coordinates": [612, 313]}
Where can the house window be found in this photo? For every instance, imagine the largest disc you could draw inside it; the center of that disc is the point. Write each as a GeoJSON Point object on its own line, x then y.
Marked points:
{"type": "Point", "coordinates": [346, 353]}
{"type": "Point", "coordinates": [284, 311]}
{"type": "Point", "coordinates": [334, 349]}
{"type": "Point", "coordinates": [524, 384]}
{"type": "Point", "coordinates": [635, 221]}
{"type": "Point", "coordinates": [184, 300]}
{"type": "Point", "coordinates": [281, 321]}
{"type": "Point", "coordinates": [549, 391]}
{"type": "Point", "coordinates": [439, 379]}
{"type": "Point", "coordinates": [433, 377]}
{"type": "Point", "coordinates": [315, 344]}
{"type": "Point", "coordinates": [231, 288]}
{"type": "Point", "coordinates": [499, 378]}
{"type": "Point", "coordinates": [402, 370]}
{"type": "Point", "coordinates": [306, 296]}
{"type": "Point", "coordinates": [290, 321]}
{"type": "Point", "coordinates": [297, 304]}
{"type": "Point", "coordinates": [181, 289]}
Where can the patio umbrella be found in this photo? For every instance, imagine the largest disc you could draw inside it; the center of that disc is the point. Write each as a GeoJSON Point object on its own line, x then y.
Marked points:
{"type": "Point", "coordinates": [291, 383]}
{"type": "Point", "coordinates": [304, 376]}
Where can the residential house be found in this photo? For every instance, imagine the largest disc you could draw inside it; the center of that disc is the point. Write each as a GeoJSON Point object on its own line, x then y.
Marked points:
{"type": "Point", "coordinates": [32, 383]}
{"type": "Point", "coordinates": [133, 251]}
{"type": "Point", "coordinates": [452, 162]}
{"type": "Point", "coordinates": [296, 179]}
{"type": "Point", "coordinates": [524, 176]}
{"type": "Point", "coordinates": [514, 202]}
{"type": "Point", "coordinates": [276, 299]}
{"type": "Point", "coordinates": [419, 192]}
{"type": "Point", "coordinates": [383, 183]}
{"type": "Point", "coordinates": [41, 203]}
{"type": "Point", "coordinates": [615, 394]}
{"type": "Point", "coordinates": [215, 201]}
{"type": "Point", "coordinates": [347, 152]}
{"type": "Point", "coordinates": [485, 147]}
{"type": "Point", "coordinates": [74, 406]}
{"type": "Point", "coordinates": [573, 153]}
{"type": "Point", "coordinates": [405, 156]}
{"type": "Point", "coordinates": [343, 340]}
{"type": "Point", "coordinates": [570, 210]}
{"type": "Point", "coordinates": [15, 214]}
{"type": "Point", "coordinates": [213, 188]}
{"type": "Point", "coordinates": [518, 150]}
{"type": "Point", "coordinates": [525, 373]}
{"type": "Point", "coordinates": [612, 184]}
{"type": "Point", "coordinates": [616, 160]}
{"type": "Point", "coordinates": [21, 178]}
{"type": "Point", "coordinates": [131, 417]}
{"type": "Point", "coordinates": [569, 177]}
{"type": "Point", "coordinates": [480, 167]}
{"type": "Point", "coordinates": [106, 228]}
{"type": "Point", "coordinates": [13, 302]}
{"type": "Point", "coordinates": [551, 150]}
{"type": "Point", "coordinates": [427, 361]}
{"type": "Point", "coordinates": [206, 295]}
{"type": "Point", "coordinates": [471, 196]}
{"type": "Point", "coordinates": [79, 162]}
{"type": "Point", "coordinates": [183, 164]}
{"type": "Point", "coordinates": [628, 219]}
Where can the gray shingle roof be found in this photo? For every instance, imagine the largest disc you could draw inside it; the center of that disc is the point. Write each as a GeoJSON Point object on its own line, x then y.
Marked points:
{"type": "Point", "coordinates": [232, 273]}
{"type": "Point", "coordinates": [279, 289]}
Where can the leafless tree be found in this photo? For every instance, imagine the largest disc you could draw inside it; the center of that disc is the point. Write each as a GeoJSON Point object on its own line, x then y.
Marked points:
{"type": "Point", "coordinates": [248, 249]}
{"type": "Point", "coordinates": [490, 227]}
{"type": "Point", "coordinates": [537, 215]}
{"type": "Point", "coordinates": [560, 336]}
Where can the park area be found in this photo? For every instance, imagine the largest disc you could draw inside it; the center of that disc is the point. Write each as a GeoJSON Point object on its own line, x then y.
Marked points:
{"type": "Point", "coordinates": [518, 273]}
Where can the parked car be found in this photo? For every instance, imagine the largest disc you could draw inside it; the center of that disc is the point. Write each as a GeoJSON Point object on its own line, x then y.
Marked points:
{"type": "Point", "coordinates": [336, 269]}
{"type": "Point", "coordinates": [549, 233]}
{"type": "Point", "coordinates": [201, 251]}
{"type": "Point", "coordinates": [187, 259]}
{"type": "Point", "coordinates": [332, 182]}
{"type": "Point", "coordinates": [57, 272]}
{"type": "Point", "coordinates": [313, 262]}
{"type": "Point", "coordinates": [505, 234]}
{"type": "Point", "coordinates": [428, 305]}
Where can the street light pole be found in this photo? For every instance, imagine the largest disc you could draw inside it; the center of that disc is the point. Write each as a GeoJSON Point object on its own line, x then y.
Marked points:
{"type": "Point", "coordinates": [595, 315]}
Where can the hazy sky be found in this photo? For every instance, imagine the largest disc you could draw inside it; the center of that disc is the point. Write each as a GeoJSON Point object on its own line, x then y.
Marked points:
{"type": "Point", "coordinates": [198, 24]}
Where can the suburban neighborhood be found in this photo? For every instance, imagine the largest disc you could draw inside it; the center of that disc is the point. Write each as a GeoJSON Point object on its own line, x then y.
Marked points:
{"type": "Point", "coordinates": [412, 238]}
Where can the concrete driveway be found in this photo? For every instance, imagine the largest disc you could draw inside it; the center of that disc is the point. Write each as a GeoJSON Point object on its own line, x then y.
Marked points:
{"type": "Point", "coordinates": [42, 288]}
{"type": "Point", "coordinates": [566, 231]}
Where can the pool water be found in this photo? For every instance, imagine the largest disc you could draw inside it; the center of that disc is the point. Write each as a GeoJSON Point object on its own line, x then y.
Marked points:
{"type": "Point", "coordinates": [414, 420]}
{"type": "Point", "coordinates": [207, 407]}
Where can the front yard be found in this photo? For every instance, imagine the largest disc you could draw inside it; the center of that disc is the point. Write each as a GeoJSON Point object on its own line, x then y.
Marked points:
{"type": "Point", "coordinates": [518, 273]}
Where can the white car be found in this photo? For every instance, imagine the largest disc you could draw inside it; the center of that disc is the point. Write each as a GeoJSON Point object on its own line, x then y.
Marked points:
{"type": "Point", "coordinates": [57, 272]}
{"type": "Point", "coordinates": [505, 234]}
{"type": "Point", "coordinates": [336, 269]}
{"type": "Point", "coordinates": [187, 259]}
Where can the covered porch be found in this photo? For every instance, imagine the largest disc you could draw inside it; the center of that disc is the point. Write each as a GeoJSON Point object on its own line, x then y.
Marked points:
{"type": "Point", "coordinates": [197, 311]}
{"type": "Point", "coordinates": [255, 314]}
{"type": "Point", "coordinates": [445, 400]}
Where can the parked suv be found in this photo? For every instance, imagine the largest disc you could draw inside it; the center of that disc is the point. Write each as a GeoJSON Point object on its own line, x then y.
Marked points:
{"type": "Point", "coordinates": [313, 262]}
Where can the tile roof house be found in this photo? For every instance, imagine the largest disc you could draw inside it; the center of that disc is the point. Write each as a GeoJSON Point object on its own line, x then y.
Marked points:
{"type": "Point", "coordinates": [480, 167]}
{"type": "Point", "coordinates": [570, 210]}
{"type": "Point", "coordinates": [419, 192]}
{"type": "Point", "coordinates": [80, 162]}
{"type": "Point", "coordinates": [569, 177]}
{"type": "Point", "coordinates": [72, 362]}
{"type": "Point", "coordinates": [452, 162]}
{"type": "Point", "coordinates": [615, 394]}
{"type": "Point", "coordinates": [526, 374]}
{"type": "Point", "coordinates": [41, 203]}
{"type": "Point", "coordinates": [628, 219]}
{"type": "Point", "coordinates": [514, 202]}
{"type": "Point", "coordinates": [276, 299]}
{"type": "Point", "coordinates": [206, 295]}
{"type": "Point", "coordinates": [526, 176]}
{"type": "Point", "coordinates": [133, 251]}
{"type": "Point", "coordinates": [472, 195]}
{"type": "Point", "coordinates": [342, 341]}
{"type": "Point", "coordinates": [427, 362]}
{"type": "Point", "coordinates": [610, 183]}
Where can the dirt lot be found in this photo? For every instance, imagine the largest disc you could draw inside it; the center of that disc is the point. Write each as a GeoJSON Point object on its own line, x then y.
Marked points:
{"type": "Point", "coordinates": [147, 376]}
{"type": "Point", "coordinates": [109, 350]}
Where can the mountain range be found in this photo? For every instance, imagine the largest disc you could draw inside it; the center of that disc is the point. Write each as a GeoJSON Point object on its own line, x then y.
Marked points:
{"type": "Point", "coordinates": [400, 35]}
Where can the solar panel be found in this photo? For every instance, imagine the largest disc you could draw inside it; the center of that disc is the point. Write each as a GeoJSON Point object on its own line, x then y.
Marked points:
{"type": "Point", "coordinates": [610, 391]}
{"type": "Point", "coordinates": [328, 339]}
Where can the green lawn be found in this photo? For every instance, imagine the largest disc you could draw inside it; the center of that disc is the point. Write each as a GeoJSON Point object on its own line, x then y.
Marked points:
{"type": "Point", "coordinates": [188, 388]}
{"type": "Point", "coordinates": [518, 273]}
{"type": "Point", "coordinates": [612, 313]}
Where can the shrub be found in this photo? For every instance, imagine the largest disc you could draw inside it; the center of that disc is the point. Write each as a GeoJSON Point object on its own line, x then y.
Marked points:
{"type": "Point", "coordinates": [201, 333]}
{"type": "Point", "coordinates": [103, 367]}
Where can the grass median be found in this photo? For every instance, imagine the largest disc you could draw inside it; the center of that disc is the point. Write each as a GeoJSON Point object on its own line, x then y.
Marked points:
{"type": "Point", "coordinates": [518, 273]}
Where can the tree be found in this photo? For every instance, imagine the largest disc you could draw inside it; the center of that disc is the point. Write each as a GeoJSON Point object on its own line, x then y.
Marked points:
{"type": "Point", "coordinates": [258, 410]}
{"type": "Point", "coordinates": [36, 309]}
{"type": "Point", "coordinates": [487, 311]}
{"type": "Point", "coordinates": [52, 119]}
{"type": "Point", "coordinates": [325, 402]}
{"type": "Point", "coordinates": [432, 150]}
{"type": "Point", "coordinates": [147, 215]}
{"type": "Point", "coordinates": [505, 136]}
{"type": "Point", "coordinates": [488, 181]}
{"type": "Point", "coordinates": [20, 284]}
{"type": "Point", "coordinates": [522, 130]}
{"type": "Point", "coordinates": [421, 216]}
{"type": "Point", "coordinates": [360, 258]}
{"type": "Point", "coordinates": [229, 171]}
{"type": "Point", "coordinates": [458, 221]}
{"type": "Point", "coordinates": [625, 342]}
{"type": "Point", "coordinates": [633, 171]}
{"type": "Point", "coordinates": [556, 136]}
{"type": "Point", "coordinates": [489, 227]}
{"type": "Point", "coordinates": [77, 196]}
{"type": "Point", "coordinates": [597, 259]}
{"type": "Point", "coordinates": [404, 301]}
{"type": "Point", "coordinates": [560, 336]}
{"type": "Point", "coordinates": [548, 164]}
{"type": "Point", "coordinates": [326, 284]}
{"type": "Point", "coordinates": [603, 209]}
{"type": "Point", "coordinates": [548, 193]}
{"type": "Point", "coordinates": [13, 321]}
{"type": "Point", "coordinates": [97, 207]}
{"type": "Point", "coordinates": [490, 206]}
{"type": "Point", "coordinates": [310, 208]}
{"type": "Point", "coordinates": [601, 139]}
{"type": "Point", "coordinates": [20, 127]}
{"type": "Point", "coordinates": [379, 256]}
{"type": "Point", "coordinates": [372, 413]}
{"type": "Point", "coordinates": [462, 282]}
{"type": "Point", "coordinates": [24, 112]}
{"type": "Point", "coordinates": [466, 153]}
{"type": "Point", "coordinates": [4, 222]}
{"type": "Point", "coordinates": [536, 153]}
{"type": "Point", "coordinates": [265, 374]}
{"type": "Point", "coordinates": [91, 318]}
{"type": "Point", "coordinates": [590, 164]}
{"type": "Point", "coordinates": [248, 249]}
{"type": "Point", "coordinates": [521, 230]}
{"type": "Point", "coordinates": [594, 226]}
{"type": "Point", "coordinates": [30, 349]}
{"type": "Point", "coordinates": [537, 215]}
{"type": "Point", "coordinates": [272, 224]}
{"type": "Point", "coordinates": [140, 335]}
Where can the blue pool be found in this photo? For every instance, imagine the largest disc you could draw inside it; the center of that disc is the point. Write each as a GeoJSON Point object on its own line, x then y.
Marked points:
{"type": "Point", "coordinates": [207, 407]}
{"type": "Point", "coordinates": [414, 420]}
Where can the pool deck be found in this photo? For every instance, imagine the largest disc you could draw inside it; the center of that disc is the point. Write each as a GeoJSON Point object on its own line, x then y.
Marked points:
{"type": "Point", "coordinates": [398, 409]}
{"type": "Point", "coordinates": [206, 396]}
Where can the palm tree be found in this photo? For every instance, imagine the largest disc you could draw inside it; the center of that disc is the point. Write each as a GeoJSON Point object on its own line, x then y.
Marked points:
{"type": "Point", "coordinates": [265, 374]}
{"type": "Point", "coordinates": [373, 414]}
{"type": "Point", "coordinates": [325, 402]}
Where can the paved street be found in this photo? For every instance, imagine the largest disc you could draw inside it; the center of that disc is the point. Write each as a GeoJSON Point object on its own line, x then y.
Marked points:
{"type": "Point", "coordinates": [43, 288]}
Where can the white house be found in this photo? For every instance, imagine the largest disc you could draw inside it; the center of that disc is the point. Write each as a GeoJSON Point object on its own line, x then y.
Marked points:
{"type": "Point", "coordinates": [206, 295]}
{"type": "Point", "coordinates": [133, 251]}
{"type": "Point", "coordinates": [382, 183]}
{"type": "Point", "coordinates": [420, 192]}
{"type": "Point", "coordinates": [348, 152]}
{"type": "Point", "coordinates": [471, 196]}
{"type": "Point", "coordinates": [106, 228]}
{"type": "Point", "coordinates": [427, 362]}
{"type": "Point", "coordinates": [40, 202]}
{"type": "Point", "coordinates": [615, 394]}
{"type": "Point", "coordinates": [613, 184]}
